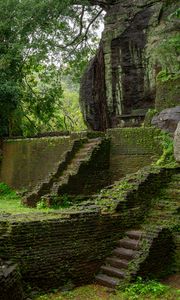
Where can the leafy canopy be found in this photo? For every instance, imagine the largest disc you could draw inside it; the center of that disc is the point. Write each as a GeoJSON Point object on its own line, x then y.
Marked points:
{"type": "Point", "coordinates": [39, 39]}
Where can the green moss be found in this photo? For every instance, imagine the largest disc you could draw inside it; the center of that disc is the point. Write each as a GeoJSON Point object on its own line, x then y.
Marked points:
{"type": "Point", "coordinates": [167, 93]}
{"type": "Point", "coordinates": [148, 118]}
{"type": "Point", "coordinates": [110, 198]}
{"type": "Point", "coordinates": [167, 158]}
{"type": "Point", "coordinates": [137, 140]}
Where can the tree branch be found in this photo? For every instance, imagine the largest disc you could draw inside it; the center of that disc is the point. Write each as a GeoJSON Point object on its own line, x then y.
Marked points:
{"type": "Point", "coordinates": [80, 35]}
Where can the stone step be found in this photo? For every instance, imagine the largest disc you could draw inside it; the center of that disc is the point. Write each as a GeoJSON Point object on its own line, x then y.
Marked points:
{"type": "Point", "coordinates": [124, 253]}
{"type": "Point", "coordinates": [167, 201]}
{"type": "Point", "coordinates": [158, 222]}
{"type": "Point", "coordinates": [134, 234]}
{"type": "Point", "coordinates": [159, 212]}
{"type": "Point", "coordinates": [72, 169]}
{"type": "Point", "coordinates": [160, 217]}
{"type": "Point", "coordinates": [97, 139]}
{"type": "Point", "coordinates": [173, 184]}
{"type": "Point", "coordinates": [116, 262]}
{"type": "Point", "coordinates": [129, 243]}
{"type": "Point", "coordinates": [172, 191]}
{"type": "Point", "coordinates": [79, 160]}
{"type": "Point", "coordinates": [83, 151]}
{"type": "Point", "coordinates": [107, 280]}
{"type": "Point", "coordinates": [170, 206]}
{"type": "Point", "coordinates": [89, 145]}
{"type": "Point", "coordinates": [80, 156]}
{"type": "Point", "coordinates": [112, 271]}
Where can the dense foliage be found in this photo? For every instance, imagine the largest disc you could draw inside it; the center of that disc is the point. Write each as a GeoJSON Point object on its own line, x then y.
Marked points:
{"type": "Point", "coordinates": [165, 52]}
{"type": "Point", "coordinates": [39, 41]}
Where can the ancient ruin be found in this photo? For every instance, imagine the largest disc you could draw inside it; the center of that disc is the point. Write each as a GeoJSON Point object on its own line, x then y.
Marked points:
{"type": "Point", "coordinates": [111, 193]}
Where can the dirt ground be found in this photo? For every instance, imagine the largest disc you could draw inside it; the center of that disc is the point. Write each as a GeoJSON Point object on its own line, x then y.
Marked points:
{"type": "Point", "coordinates": [173, 281]}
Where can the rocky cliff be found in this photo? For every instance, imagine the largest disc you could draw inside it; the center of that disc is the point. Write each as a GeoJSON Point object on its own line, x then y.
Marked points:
{"type": "Point", "coordinates": [121, 80]}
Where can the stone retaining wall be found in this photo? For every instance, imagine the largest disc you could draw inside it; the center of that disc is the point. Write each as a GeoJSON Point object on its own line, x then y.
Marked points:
{"type": "Point", "coordinates": [55, 249]}
{"type": "Point", "coordinates": [133, 149]}
{"type": "Point", "coordinates": [54, 252]}
{"type": "Point", "coordinates": [27, 162]}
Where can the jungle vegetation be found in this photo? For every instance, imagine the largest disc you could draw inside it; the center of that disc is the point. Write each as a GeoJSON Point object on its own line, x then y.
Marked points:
{"type": "Point", "coordinates": [44, 48]}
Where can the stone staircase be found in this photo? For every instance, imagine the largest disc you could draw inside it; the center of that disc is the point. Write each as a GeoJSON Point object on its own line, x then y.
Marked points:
{"type": "Point", "coordinates": [72, 170]}
{"type": "Point", "coordinates": [67, 169]}
{"type": "Point", "coordinates": [117, 268]}
{"type": "Point", "coordinates": [132, 251]}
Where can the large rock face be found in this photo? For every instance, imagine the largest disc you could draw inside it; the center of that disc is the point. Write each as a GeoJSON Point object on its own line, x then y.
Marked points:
{"type": "Point", "coordinates": [121, 78]}
{"type": "Point", "coordinates": [93, 94]}
{"type": "Point", "coordinates": [177, 144]}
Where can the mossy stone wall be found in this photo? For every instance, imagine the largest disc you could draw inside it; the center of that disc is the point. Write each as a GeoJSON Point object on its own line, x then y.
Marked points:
{"type": "Point", "coordinates": [167, 94]}
{"type": "Point", "coordinates": [54, 252]}
{"type": "Point", "coordinates": [56, 249]}
{"type": "Point", "coordinates": [26, 162]}
{"type": "Point", "coordinates": [132, 149]}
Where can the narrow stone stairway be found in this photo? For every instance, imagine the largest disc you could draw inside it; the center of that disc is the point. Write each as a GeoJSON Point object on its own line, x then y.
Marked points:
{"type": "Point", "coordinates": [82, 156]}
{"type": "Point", "coordinates": [66, 169]}
{"type": "Point", "coordinates": [133, 250]}
{"type": "Point", "coordinates": [116, 268]}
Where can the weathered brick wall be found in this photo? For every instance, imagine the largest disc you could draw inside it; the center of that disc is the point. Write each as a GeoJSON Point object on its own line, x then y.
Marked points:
{"type": "Point", "coordinates": [52, 252]}
{"type": "Point", "coordinates": [132, 149]}
{"type": "Point", "coordinates": [54, 249]}
{"type": "Point", "coordinates": [160, 261]}
{"type": "Point", "coordinates": [26, 162]}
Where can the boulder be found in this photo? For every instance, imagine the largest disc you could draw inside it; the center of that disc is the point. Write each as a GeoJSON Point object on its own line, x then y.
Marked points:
{"type": "Point", "coordinates": [177, 143]}
{"type": "Point", "coordinates": [167, 119]}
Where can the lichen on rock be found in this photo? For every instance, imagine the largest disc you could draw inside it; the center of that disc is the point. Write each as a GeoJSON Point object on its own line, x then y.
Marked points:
{"type": "Point", "coordinates": [122, 76]}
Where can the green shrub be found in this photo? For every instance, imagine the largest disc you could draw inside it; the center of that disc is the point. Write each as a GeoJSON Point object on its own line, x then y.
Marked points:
{"type": "Point", "coordinates": [41, 204]}
{"type": "Point", "coordinates": [167, 157]}
{"type": "Point", "coordinates": [141, 288]}
{"type": "Point", "coordinates": [62, 201]}
{"type": "Point", "coordinates": [5, 189]}
{"type": "Point", "coordinates": [59, 202]}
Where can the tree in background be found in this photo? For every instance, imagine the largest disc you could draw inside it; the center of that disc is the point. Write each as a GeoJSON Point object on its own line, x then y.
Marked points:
{"type": "Point", "coordinates": [39, 39]}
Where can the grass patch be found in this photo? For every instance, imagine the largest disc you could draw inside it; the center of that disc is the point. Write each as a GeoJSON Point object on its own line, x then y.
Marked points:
{"type": "Point", "coordinates": [151, 290]}
{"type": "Point", "coordinates": [10, 202]}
